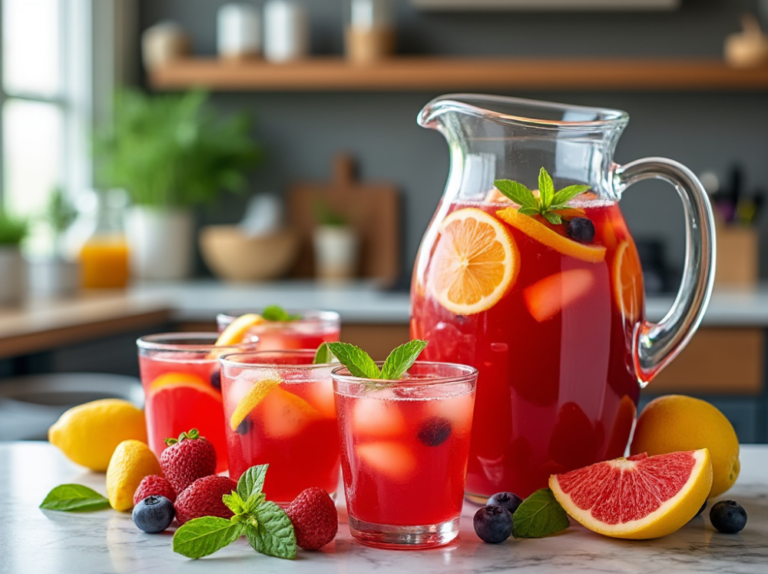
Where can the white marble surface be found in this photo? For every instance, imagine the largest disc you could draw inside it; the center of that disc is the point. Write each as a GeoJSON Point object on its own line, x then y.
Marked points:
{"type": "Point", "coordinates": [361, 302]}
{"type": "Point", "coordinates": [39, 542]}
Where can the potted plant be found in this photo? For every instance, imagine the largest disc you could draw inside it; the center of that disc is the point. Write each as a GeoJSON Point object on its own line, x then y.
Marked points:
{"type": "Point", "coordinates": [12, 232]}
{"type": "Point", "coordinates": [336, 245]}
{"type": "Point", "coordinates": [171, 153]}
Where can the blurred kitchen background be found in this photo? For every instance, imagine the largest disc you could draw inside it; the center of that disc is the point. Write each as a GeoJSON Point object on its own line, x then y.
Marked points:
{"type": "Point", "coordinates": [165, 160]}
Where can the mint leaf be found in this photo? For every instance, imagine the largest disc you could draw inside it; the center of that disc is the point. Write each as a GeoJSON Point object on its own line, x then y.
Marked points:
{"type": "Point", "coordinates": [278, 314]}
{"type": "Point", "coordinates": [546, 188]}
{"type": "Point", "coordinates": [235, 504]}
{"type": "Point", "coordinates": [401, 359]}
{"type": "Point", "coordinates": [203, 536]}
{"type": "Point", "coordinates": [517, 192]}
{"type": "Point", "coordinates": [539, 515]}
{"type": "Point", "coordinates": [252, 481]}
{"type": "Point", "coordinates": [567, 194]}
{"type": "Point", "coordinates": [323, 355]}
{"type": "Point", "coordinates": [274, 534]}
{"type": "Point", "coordinates": [553, 218]}
{"type": "Point", "coordinates": [69, 497]}
{"type": "Point", "coordinates": [529, 210]}
{"type": "Point", "coordinates": [357, 361]}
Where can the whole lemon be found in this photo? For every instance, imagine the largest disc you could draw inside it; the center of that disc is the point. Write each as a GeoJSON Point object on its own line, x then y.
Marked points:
{"type": "Point", "coordinates": [675, 422]}
{"type": "Point", "coordinates": [130, 463]}
{"type": "Point", "coordinates": [89, 433]}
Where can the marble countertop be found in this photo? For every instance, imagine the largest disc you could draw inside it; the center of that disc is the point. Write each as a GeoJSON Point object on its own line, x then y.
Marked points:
{"type": "Point", "coordinates": [32, 540]}
{"type": "Point", "coordinates": [362, 302]}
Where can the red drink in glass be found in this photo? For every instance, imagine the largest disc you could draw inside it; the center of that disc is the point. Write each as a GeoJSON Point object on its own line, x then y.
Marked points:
{"type": "Point", "coordinates": [404, 454]}
{"type": "Point", "coordinates": [557, 387]}
{"type": "Point", "coordinates": [182, 384]}
{"type": "Point", "coordinates": [279, 409]}
{"type": "Point", "coordinates": [307, 332]}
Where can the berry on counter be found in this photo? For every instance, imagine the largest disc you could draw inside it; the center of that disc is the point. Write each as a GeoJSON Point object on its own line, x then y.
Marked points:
{"type": "Point", "coordinates": [154, 485]}
{"type": "Point", "coordinates": [728, 516]}
{"type": "Point", "coordinates": [314, 517]}
{"type": "Point", "coordinates": [581, 229]}
{"type": "Point", "coordinates": [187, 459]}
{"type": "Point", "coordinates": [508, 500]}
{"type": "Point", "coordinates": [493, 524]}
{"type": "Point", "coordinates": [434, 431]}
{"type": "Point", "coordinates": [203, 498]}
{"type": "Point", "coordinates": [153, 514]}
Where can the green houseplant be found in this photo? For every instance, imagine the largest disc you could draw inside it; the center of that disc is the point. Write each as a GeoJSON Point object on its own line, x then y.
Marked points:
{"type": "Point", "coordinates": [12, 232]}
{"type": "Point", "coordinates": [171, 153]}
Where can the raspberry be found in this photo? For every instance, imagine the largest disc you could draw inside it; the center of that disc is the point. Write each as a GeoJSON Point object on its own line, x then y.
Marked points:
{"type": "Point", "coordinates": [203, 498]}
{"type": "Point", "coordinates": [153, 485]}
{"type": "Point", "coordinates": [187, 459]}
{"type": "Point", "coordinates": [314, 518]}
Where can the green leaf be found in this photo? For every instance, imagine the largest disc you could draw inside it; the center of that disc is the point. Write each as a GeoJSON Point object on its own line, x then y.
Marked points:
{"type": "Point", "coordinates": [401, 359]}
{"type": "Point", "coordinates": [539, 515]}
{"type": "Point", "coordinates": [546, 188]}
{"type": "Point", "coordinates": [517, 192]}
{"type": "Point", "coordinates": [235, 503]}
{"type": "Point", "coordinates": [252, 481]}
{"type": "Point", "coordinates": [323, 355]}
{"type": "Point", "coordinates": [69, 497]}
{"type": "Point", "coordinates": [567, 194]}
{"type": "Point", "coordinates": [553, 218]}
{"type": "Point", "coordinates": [529, 210]}
{"type": "Point", "coordinates": [357, 361]}
{"type": "Point", "coordinates": [204, 536]}
{"type": "Point", "coordinates": [278, 314]}
{"type": "Point", "coordinates": [274, 534]}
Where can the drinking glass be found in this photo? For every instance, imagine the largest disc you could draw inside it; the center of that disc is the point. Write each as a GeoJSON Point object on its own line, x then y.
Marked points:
{"type": "Point", "coordinates": [307, 332]}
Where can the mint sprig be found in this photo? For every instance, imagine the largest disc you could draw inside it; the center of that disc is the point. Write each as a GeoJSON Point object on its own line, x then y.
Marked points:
{"type": "Point", "coordinates": [361, 365]}
{"type": "Point", "coordinates": [265, 525]}
{"type": "Point", "coordinates": [278, 314]}
{"type": "Point", "coordinates": [74, 497]}
{"type": "Point", "coordinates": [550, 204]}
{"type": "Point", "coordinates": [539, 515]}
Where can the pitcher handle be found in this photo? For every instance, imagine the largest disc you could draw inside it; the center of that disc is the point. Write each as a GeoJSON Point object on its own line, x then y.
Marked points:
{"type": "Point", "coordinates": [656, 344]}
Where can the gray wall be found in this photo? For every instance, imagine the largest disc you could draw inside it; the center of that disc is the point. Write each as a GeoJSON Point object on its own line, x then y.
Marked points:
{"type": "Point", "coordinates": [706, 131]}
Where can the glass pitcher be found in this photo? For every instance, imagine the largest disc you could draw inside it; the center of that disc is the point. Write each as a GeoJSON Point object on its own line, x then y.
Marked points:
{"type": "Point", "coordinates": [544, 295]}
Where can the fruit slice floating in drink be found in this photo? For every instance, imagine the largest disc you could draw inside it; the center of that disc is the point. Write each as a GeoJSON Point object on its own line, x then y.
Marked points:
{"type": "Point", "coordinates": [626, 281]}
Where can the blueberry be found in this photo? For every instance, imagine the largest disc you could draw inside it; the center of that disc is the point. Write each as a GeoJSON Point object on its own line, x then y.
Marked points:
{"type": "Point", "coordinates": [434, 431]}
{"type": "Point", "coordinates": [493, 524]}
{"type": "Point", "coordinates": [507, 500]}
{"type": "Point", "coordinates": [153, 514]}
{"type": "Point", "coordinates": [216, 380]}
{"type": "Point", "coordinates": [581, 229]}
{"type": "Point", "coordinates": [244, 427]}
{"type": "Point", "coordinates": [728, 516]}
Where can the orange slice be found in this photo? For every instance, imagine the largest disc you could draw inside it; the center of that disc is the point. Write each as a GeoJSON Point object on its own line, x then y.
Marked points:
{"type": "Point", "coordinates": [474, 263]}
{"type": "Point", "coordinates": [543, 234]}
{"type": "Point", "coordinates": [547, 297]}
{"type": "Point", "coordinates": [168, 381]}
{"type": "Point", "coordinates": [628, 281]}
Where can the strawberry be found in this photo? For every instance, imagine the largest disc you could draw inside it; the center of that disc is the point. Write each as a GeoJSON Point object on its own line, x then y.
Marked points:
{"type": "Point", "coordinates": [187, 459]}
{"type": "Point", "coordinates": [153, 485]}
{"type": "Point", "coordinates": [314, 518]}
{"type": "Point", "coordinates": [203, 498]}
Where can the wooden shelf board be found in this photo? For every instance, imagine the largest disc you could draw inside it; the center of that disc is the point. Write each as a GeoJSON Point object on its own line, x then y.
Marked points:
{"type": "Point", "coordinates": [432, 73]}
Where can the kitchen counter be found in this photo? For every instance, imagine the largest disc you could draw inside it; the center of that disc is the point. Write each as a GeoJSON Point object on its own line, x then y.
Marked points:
{"type": "Point", "coordinates": [32, 540]}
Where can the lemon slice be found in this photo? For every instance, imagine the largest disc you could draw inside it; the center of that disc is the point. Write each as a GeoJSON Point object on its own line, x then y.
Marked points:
{"type": "Point", "coordinates": [251, 400]}
{"type": "Point", "coordinates": [237, 329]}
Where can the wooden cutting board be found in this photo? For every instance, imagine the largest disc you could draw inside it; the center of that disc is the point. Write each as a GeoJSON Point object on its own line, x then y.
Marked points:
{"type": "Point", "coordinates": [373, 209]}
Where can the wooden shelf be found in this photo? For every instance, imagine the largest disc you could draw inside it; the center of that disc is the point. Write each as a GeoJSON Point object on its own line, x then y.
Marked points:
{"type": "Point", "coordinates": [435, 73]}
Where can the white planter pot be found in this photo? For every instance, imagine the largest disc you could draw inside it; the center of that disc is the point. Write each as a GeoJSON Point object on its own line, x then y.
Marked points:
{"type": "Point", "coordinates": [51, 278]}
{"type": "Point", "coordinates": [160, 242]}
{"type": "Point", "coordinates": [11, 275]}
{"type": "Point", "coordinates": [336, 252]}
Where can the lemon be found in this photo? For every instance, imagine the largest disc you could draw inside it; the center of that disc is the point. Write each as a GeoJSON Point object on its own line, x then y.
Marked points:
{"type": "Point", "coordinates": [88, 434]}
{"type": "Point", "coordinates": [675, 422]}
{"type": "Point", "coordinates": [251, 400]}
{"type": "Point", "coordinates": [238, 329]}
{"type": "Point", "coordinates": [130, 463]}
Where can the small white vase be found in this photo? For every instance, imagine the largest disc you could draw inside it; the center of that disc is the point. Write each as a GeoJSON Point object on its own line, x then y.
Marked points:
{"type": "Point", "coordinates": [160, 242]}
{"type": "Point", "coordinates": [53, 277]}
{"type": "Point", "coordinates": [336, 252]}
{"type": "Point", "coordinates": [11, 275]}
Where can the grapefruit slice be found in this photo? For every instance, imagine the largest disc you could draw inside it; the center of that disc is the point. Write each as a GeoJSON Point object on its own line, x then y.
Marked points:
{"type": "Point", "coordinates": [189, 381]}
{"type": "Point", "coordinates": [628, 281]}
{"type": "Point", "coordinates": [548, 296]}
{"type": "Point", "coordinates": [474, 263]}
{"type": "Point", "coordinates": [639, 497]}
{"type": "Point", "coordinates": [391, 459]}
{"type": "Point", "coordinates": [543, 234]}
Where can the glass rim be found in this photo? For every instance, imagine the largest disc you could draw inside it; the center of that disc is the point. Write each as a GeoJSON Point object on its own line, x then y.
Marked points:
{"type": "Point", "coordinates": [307, 316]}
{"type": "Point", "coordinates": [467, 375]}
{"type": "Point", "coordinates": [480, 105]}
{"type": "Point", "coordinates": [164, 342]}
{"type": "Point", "coordinates": [228, 360]}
